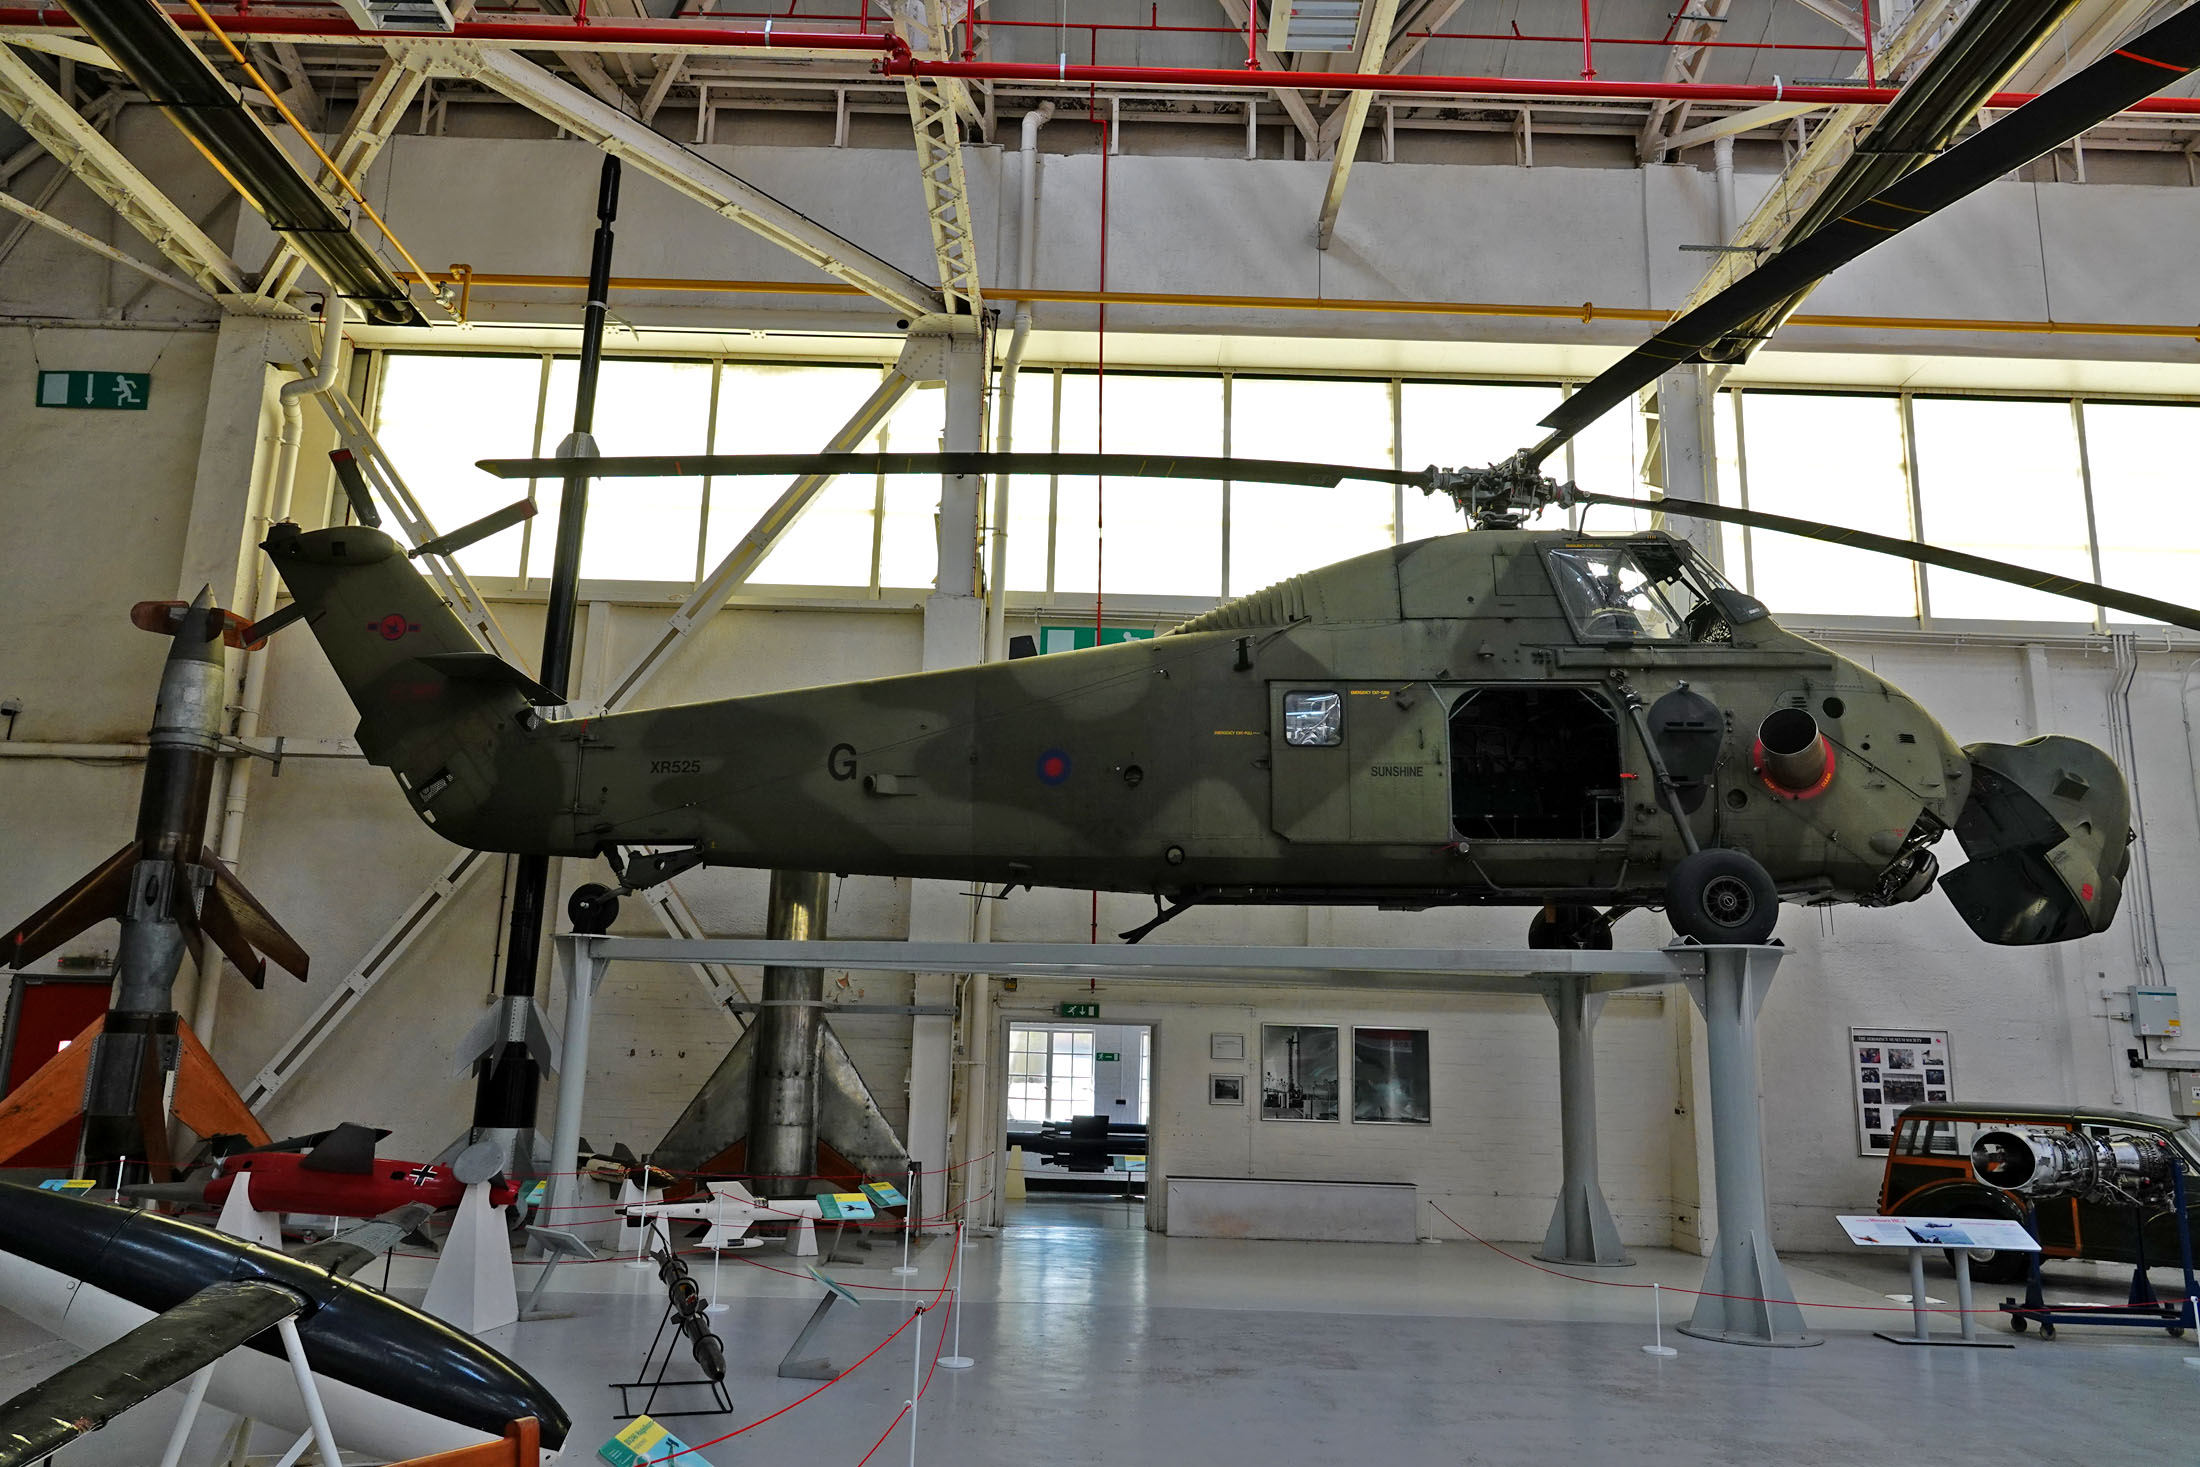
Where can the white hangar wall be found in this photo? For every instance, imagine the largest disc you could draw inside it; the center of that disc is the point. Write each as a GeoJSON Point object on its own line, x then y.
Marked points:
{"type": "Point", "coordinates": [96, 514]}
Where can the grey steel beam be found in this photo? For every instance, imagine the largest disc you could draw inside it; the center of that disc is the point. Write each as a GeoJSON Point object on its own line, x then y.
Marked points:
{"type": "Point", "coordinates": [688, 173]}
{"type": "Point", "coordinates": [1427, 17]}
{"type": "Point", "coordinates": [40, 111]}
{"type": "Point", "coordinates": [1294, 103]}
{"type": "Point", "coordinates": [1374, 46]}
{"type": "Point", "coordinates": [374, 118]}
{"type": "Point", "coordinates": [1829, 148]}
{"type": "Point", "coordinates": [1503, 970]}
{"type": "Point", "coordinates": [770, 527]}
{"type": "Point", "coordinates": [1684, 64]}
{"type": "Point", "coordinates": [1844, 16]}
{"type": "Point", "coordinates": [44, 220]}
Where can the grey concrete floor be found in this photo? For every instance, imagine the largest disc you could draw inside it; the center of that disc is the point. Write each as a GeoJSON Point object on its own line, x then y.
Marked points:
{"type": "Point", "coordinates": [1098, 1343]}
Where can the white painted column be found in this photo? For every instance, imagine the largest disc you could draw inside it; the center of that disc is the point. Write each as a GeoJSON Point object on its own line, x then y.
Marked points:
{"type": "Point", "coordinates": [954, 636]}
{"type": "Point", "coordinates": [1688, 453]}
{"type": "Point", "coordinates": [237, 451]}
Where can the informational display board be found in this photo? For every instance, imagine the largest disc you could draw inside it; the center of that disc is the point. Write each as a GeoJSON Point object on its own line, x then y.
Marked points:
{"type": "Point", "coordinates": [2000, 1233]}
{"type": "Point", "coordinates": [1890, 1069]}
{"type": "Point", "coordinates": [844, 1206]}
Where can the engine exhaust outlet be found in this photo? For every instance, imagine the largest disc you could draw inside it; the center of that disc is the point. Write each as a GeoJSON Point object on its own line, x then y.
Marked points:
{"type": "Point", "coordinates": [1791, 756]}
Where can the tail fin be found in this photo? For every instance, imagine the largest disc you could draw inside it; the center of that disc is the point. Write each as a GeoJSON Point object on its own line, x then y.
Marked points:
{"type": "Point", "coordinates": [433, 705]}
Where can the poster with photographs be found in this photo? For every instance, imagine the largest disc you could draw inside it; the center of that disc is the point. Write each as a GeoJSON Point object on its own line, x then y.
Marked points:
{"type": "Point", "coordinates": [1298, 1072]}
{"type": "Point", "coordinates": [1390, 1076]}
{"type": "Point", "coordinates": [1890, 1070]}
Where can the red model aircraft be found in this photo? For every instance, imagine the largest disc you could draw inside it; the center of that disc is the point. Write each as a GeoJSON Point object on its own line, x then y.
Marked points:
{"type": "Point", "coordinates": [335, 1173]}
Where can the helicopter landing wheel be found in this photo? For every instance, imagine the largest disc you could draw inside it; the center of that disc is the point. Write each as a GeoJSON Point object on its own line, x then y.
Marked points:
{"type": "Point", "coordinates": [1721, 896]}
{"type": "Point", "coordinates": [593, 908]}
{"type": "Point", "coordinates": [1578, 927]}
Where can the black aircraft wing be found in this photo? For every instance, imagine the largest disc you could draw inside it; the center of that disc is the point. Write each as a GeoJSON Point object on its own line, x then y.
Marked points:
{"type": "Point", "coordinates": [356, 1249]}
{"type": "Point", "coordinates": [160, 1352]}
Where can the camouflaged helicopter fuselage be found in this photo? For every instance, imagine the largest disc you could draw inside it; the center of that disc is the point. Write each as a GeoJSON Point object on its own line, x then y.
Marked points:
{"type": "Point", "coordinates": [1163, 766]}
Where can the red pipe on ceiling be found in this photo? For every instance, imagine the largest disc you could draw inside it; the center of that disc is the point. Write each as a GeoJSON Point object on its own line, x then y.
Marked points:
{"type": "Point", "coordinates": [898, 62]}
{"type": "Point", "coordinates": [256, 25]}
{"type": "Point", "coordinates": [901, 63]}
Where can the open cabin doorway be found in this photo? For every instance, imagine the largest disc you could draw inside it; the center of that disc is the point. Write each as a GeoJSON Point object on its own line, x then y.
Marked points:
{"type": "Point", "coordinates": [1079, 1104]}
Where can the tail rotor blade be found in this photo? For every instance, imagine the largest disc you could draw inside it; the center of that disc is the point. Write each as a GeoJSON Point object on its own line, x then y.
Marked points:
{"type": "Point", "coordinates": [495, 522]}
{"type": "Point", "coordinates": [354, 480]}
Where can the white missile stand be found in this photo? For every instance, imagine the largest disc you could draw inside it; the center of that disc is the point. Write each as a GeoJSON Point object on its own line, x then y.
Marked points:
{"type": "Point", "coordinates": [317, 1433]}
{"type": "Point", "coordinates": [240, 1219]}
{"type": "Point", "coordinates": [473, 1287]}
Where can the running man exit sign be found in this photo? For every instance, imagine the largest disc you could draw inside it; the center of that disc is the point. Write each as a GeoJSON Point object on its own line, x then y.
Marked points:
{"type": "Point", "coordinates": [126, 391]}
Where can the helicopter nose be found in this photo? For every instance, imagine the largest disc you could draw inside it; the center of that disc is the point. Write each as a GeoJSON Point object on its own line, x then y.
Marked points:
{"type": "Point", "coordinates": [2048, 832]}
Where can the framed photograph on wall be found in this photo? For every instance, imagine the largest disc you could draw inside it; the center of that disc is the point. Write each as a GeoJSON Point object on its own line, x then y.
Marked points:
{"type": "Point", "coordinates": [1298, 1072]}
{"type": "Point", "coordinates": [1226, 1046]}
{"type": "Point", "coordinates": [1226, 1090]}
{"type": "Point", "coordinates": [1390, 1076]}
{"type": "Point", "coordinates": [1888, 1070]}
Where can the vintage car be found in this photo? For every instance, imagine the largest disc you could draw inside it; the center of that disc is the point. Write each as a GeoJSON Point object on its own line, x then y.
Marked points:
{"type": "Point", "coordinates": [1929, 1171]}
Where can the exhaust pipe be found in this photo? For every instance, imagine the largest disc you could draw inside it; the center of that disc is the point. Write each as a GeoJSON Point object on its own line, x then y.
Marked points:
{"type": "Point", "coordinates": [1791, 756]}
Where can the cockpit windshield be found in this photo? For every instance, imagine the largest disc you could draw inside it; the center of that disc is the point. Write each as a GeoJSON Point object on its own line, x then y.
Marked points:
{"type": "Point", "coordinates": [1633, 591]}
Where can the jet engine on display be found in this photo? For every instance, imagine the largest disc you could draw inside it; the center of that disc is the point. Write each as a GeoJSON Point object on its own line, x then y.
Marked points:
{"type": "Point", "coordinates": [2042, 1162]}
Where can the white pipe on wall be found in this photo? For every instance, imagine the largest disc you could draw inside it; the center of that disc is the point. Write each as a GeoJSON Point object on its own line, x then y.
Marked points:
{"type": "Point", "coordinates": [1027, 245]}
{"type": "Point", "coordinates": [276, 507]}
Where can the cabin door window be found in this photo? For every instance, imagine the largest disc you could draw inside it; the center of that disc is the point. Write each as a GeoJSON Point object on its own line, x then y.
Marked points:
{"type": "Point", "coordinates": [1359, 763]}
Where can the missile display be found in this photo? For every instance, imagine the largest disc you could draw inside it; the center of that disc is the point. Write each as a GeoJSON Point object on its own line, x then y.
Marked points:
{"type": "Point", "coordinates": [338, 1175]}
{"type": "Point", "coordinates": [394, 1381]}
{"type": "Point", "coordinates": [168, 891]}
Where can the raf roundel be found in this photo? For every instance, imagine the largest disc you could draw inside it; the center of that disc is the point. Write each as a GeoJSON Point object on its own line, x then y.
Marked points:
{"type": "Point", "coordinates": [1053, 767]}
{"type": "Point", "coordinates": [393, 626]}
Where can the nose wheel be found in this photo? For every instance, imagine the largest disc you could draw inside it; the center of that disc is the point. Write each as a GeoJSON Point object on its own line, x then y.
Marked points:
{"type": "Point", "coordinates": [1721, 896]}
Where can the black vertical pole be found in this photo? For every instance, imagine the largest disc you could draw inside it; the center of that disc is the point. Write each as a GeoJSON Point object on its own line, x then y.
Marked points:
{"type": "Point", "coordinates": [507, 1080]}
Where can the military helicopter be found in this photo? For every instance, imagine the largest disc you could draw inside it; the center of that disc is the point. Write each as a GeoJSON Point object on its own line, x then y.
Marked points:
{"type": "Point", "coordinates": [1583, 724]}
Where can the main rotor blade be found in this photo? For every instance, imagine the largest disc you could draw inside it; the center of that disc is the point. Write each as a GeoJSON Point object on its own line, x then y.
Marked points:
{"type": "Point", "coordinates": [2168, 612]}
{"type": "Point", "coordinates": [1977, 60]}
{"type": "Point", "coordinates": [2124, 76]}
{"type": "Point", "coordinates": [1114, 465]}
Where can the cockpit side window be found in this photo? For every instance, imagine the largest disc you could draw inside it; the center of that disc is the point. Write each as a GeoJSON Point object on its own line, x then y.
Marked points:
{"type": "Point", "coordinates": [1627, 592]}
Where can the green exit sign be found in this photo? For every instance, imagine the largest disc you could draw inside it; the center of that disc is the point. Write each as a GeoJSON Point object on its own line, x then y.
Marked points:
{"type": "Point", "coordinates": [1108, 1056]}
{"type": "Point", "coordinates": [1078, 1010]}
{"type": "Point", "coordinates": [128, 391]}
{"type": "Point", "coordinates": [1076, 639]}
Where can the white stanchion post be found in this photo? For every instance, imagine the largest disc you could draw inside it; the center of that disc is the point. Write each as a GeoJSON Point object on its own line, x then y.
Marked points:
{"type": "Point", "coordinates": [957, 1360]}
{"type": "Point", "coordinates": [717, 1304]}
{"type": "Point", "coordinates": [191, 1400]}
{"type": "Point", "coordinates": [916, 1381]}
{"type": "Point", "coordinates": [908, 1219]}
{"type": "Point", "coordinates": [323, 1438]}
{"type": "Point", "coordinates": [1657, 1325]}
